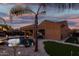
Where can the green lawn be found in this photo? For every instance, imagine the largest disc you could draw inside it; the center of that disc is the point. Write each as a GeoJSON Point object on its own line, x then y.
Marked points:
{"type": "Point", "coordinates": [60, 49]}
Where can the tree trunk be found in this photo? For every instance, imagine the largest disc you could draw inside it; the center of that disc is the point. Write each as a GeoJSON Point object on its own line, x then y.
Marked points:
{"type": "Point", "coordinates": [35, 32]}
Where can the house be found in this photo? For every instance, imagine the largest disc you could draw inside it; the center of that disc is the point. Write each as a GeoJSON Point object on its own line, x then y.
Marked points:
{"type": "Point", "coordinates": [5, 27]}
{"type": "Point", "coordinates": [49, 30]}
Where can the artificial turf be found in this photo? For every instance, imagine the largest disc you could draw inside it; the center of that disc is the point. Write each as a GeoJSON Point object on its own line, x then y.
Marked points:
{"type": "Point", "coordinates": [60, 49]}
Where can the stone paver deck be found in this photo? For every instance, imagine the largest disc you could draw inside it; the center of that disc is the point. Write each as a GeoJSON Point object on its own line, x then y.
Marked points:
{"type": "Point", "coordinates": [30, 50]}
{"type": "Point", "coordinates": [23, 51]}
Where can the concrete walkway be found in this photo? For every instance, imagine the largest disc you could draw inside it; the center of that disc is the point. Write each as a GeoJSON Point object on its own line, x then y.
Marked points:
{"type": "Point", "coordinates": [41, 51]}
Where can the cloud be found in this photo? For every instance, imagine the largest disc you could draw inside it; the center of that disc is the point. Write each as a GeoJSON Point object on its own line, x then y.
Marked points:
{"type": "Point", "coordinates": [7, 19]}
{"type": "Point", "coordinates": [3, 14]}
{"type": "Point", "coordinates": [20, 25]}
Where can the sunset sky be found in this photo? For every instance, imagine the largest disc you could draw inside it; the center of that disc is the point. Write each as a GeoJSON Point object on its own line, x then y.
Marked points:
{"type": "Point", "coordinates": [52, 13]}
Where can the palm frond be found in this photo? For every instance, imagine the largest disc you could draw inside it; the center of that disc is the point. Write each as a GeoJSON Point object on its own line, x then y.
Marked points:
{"type": "Point", "coordinates": [19, 10]}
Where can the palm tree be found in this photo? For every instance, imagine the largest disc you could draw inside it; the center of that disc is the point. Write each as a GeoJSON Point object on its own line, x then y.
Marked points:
{"type": "Point", "coordinates": [19, 10]}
